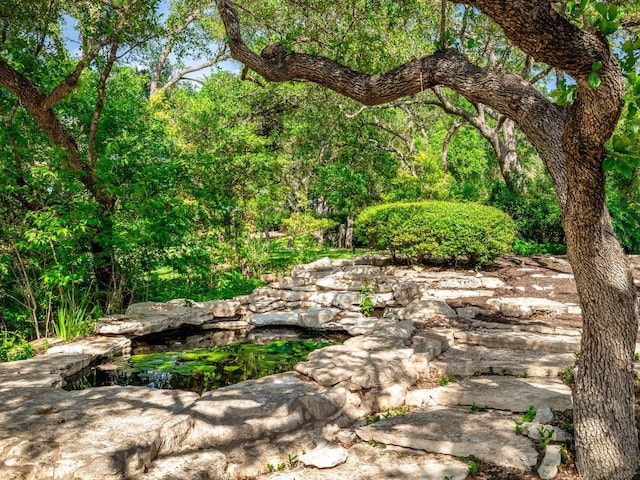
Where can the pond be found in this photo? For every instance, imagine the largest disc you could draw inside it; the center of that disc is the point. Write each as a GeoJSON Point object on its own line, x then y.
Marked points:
{"type": "Point", "coordinates": [199, 362]}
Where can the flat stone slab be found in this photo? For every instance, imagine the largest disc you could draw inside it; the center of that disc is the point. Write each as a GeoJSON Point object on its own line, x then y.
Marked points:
{"type": "Point", "coordinates": [100, 433]}
{"type": "Point", "coordinates": [367, 462]}
{"type": "Point", "coordinates": [97, 347]}
{"type": "Point", "coordinates": [41, 371]}
{"type": "Point", "coordinates": [528, 306]}
{"type": "Point", "coordinates": [489, 436]}
{"type": "Point", "coordinates": [198, 465]}
{"type": "Point", "coordinates": [520, 340]}
{"type": "Point", "coordinates": [467, 360]}
{"type": "Point", "coordinates": [258, 408]}
{"type": "Point", "coordinates": [497, 392]}
{"type": "Point", "coordinates": [309, 318]}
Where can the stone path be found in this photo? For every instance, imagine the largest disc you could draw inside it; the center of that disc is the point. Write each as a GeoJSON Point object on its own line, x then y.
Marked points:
{"type": "Point", "coordinates": [445, 372]}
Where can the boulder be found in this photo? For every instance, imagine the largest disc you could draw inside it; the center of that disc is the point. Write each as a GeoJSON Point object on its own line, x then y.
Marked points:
{"type": "Point", "coordinates": [406, 292]}
{"type": "Point", "coordinates": [550, 463]}
{"type": "Point", "coordinates": [258, 408]}
{"type": "Point", "coordinates": [326, 454]}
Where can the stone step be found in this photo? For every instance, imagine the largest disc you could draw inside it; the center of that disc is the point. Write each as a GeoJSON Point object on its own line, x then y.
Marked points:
{"type": "Point", "coordinates": [98, 433]}
{"type": "Point", "coordinates": [259, 408]}
{"type": "Point", "coordinates": [366, 462]}
{"type": "Point", "coordinates": [468, 360]}
{"type": "Point", "coordinates": [519, 340]}
{"type": "Point", "coordinates": [490, 436]}
{"type": "Point", "coordinates": [497, 392]}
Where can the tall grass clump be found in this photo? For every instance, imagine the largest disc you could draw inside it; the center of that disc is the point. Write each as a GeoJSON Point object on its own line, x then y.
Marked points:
{"type": "Point", "coordinates": [74, 316]}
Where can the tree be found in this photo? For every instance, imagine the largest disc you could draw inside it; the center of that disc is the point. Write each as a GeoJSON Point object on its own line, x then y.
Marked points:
{"type": "Point", "coordinates": [570, 140]}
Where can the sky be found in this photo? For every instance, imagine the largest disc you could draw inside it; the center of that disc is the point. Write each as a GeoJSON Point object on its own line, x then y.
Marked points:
{"type": "Point", "coordinates": [71, 36]}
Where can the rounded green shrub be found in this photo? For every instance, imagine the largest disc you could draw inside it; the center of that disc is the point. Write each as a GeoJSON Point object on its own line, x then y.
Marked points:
{"type": "Point", "coordinates": [447, 230]}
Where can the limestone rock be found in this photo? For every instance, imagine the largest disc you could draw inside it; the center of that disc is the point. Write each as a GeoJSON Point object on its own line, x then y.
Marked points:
{"type": "Point", "coordinates": [221, 308]}
{"type": "Point", "coordinates": [520, 340]}
{"type": "Point", "coordinates": [374, 463]}
{"type": "Point", "coordinates": [97, 347]}
{"type": "Point", "coordinates": [198, 465]}
{"type": "Point", "coordinates": [48, 431]}
{"type": "Point", "coordinates": [519, 307]}
{"type": "Point", "coordinates": [425, 310]}
{"type": "Point", "coordinates": [550, 463]}
{"type": "Point", "coordinates": [326, 454]}
{"type": "Point", "coordinates": [275, 318]}
{"type": "Point", "coordinates": [406, 292]}
{"type": "Point", "coordinates": [489, 436]}
{"type": "Point", "coordinates": [543, 414]}
{"type": "Point", "coordinates": [466, 360]}
{"type": "Point", "coordinates": [498, 392]}
{"type": "Point", "coordinates": [258, 408]}
{"type": "Point", "coordinates": [41, 371]}
{"type": "Point", "coordinates": [362, 368]}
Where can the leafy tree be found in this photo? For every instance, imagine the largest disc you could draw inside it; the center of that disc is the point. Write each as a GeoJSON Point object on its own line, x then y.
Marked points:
{"type": "Point", "coordinates": [570, 139]}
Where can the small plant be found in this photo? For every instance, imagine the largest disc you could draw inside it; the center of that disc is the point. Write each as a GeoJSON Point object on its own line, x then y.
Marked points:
{"type": "Point", "coordinates": [491, 372]}
{"type": "Point", "coordinates": [524, 374]}
{"type": "Point", "coordinates": [270, 467]}
{"type": "Point", "coordinates": [567, 374]}
{"type": "Point", "coordinates": [528, 416]}
{"type": "Point", "coordinates": [505, 371]}
{"type": "Point", "coordinates": [395, 412]}
{"type": "Point", "coordinates": [371, 420]}
{"type": "Point", "coordinates": [292, 460]}
{"type": "Point", "coordinates": [637, 356]}
{"type": "Point", "coordinates": [366, 303]}
{"type": "Point", "coordinates": [281, 466]}
{"type": "Point", "coordinates": [544, 436]}
{"type": "Point", "coordinates": [446, 380]}
{"type": "Point", "coordinates": [475, 408]}
{"type": "Point", "coordinates": [473, 467]}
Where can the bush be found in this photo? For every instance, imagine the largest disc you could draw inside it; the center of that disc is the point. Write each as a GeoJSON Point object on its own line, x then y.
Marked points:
{"type": "Point", "coordinates": [14, 347]}
{"type": "Point", "coordinates": [445, 230]}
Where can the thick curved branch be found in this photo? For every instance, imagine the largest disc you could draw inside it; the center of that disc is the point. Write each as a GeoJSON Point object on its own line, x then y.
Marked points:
{"type": "Point", "coordinates": [540, 120]}
{"type": "Point", "coordinates": [540, 31]}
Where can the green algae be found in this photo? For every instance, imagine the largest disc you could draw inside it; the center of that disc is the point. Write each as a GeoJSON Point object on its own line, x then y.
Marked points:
{"type": "Point", "coordinates": [209, 368]}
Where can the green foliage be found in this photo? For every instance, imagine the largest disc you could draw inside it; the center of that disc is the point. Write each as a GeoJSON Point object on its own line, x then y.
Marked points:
{"type": "Point", "coordinates": [206, 369]}
{"type": "Point", "coordinates": [537, 217]}
{"type": "Point", "coordinates": [437, 229]}
{"type": "Point", "coordinates": [527, 417]}
{"type": "Point", "coordinates": [74, 318]}
{"type": "Point", "coordinates": [544, 436]}
{"type": "Point", "coordinates": [305, 225]}
{"type": "Point", "coordinates": [366, 303]}
{"type": "Point", "coordinates": [13, 346]}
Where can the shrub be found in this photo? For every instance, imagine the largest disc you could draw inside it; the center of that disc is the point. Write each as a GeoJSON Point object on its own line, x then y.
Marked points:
{"type": "Point", "coordinates": [445, 230]}
{"type": "Point", "coordinates": [14, 347]}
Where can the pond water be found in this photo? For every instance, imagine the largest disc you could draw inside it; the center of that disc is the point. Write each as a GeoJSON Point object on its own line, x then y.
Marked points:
{"type": "Point", "coordinates": [202, 361]}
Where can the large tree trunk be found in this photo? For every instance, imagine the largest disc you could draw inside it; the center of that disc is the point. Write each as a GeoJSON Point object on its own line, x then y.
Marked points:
{"type": "Point", "coordinates": [606, 435]}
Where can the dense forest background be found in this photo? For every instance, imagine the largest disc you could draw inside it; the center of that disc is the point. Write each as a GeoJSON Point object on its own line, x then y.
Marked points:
{"type": "Point", "coordinates": [155, 179]}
